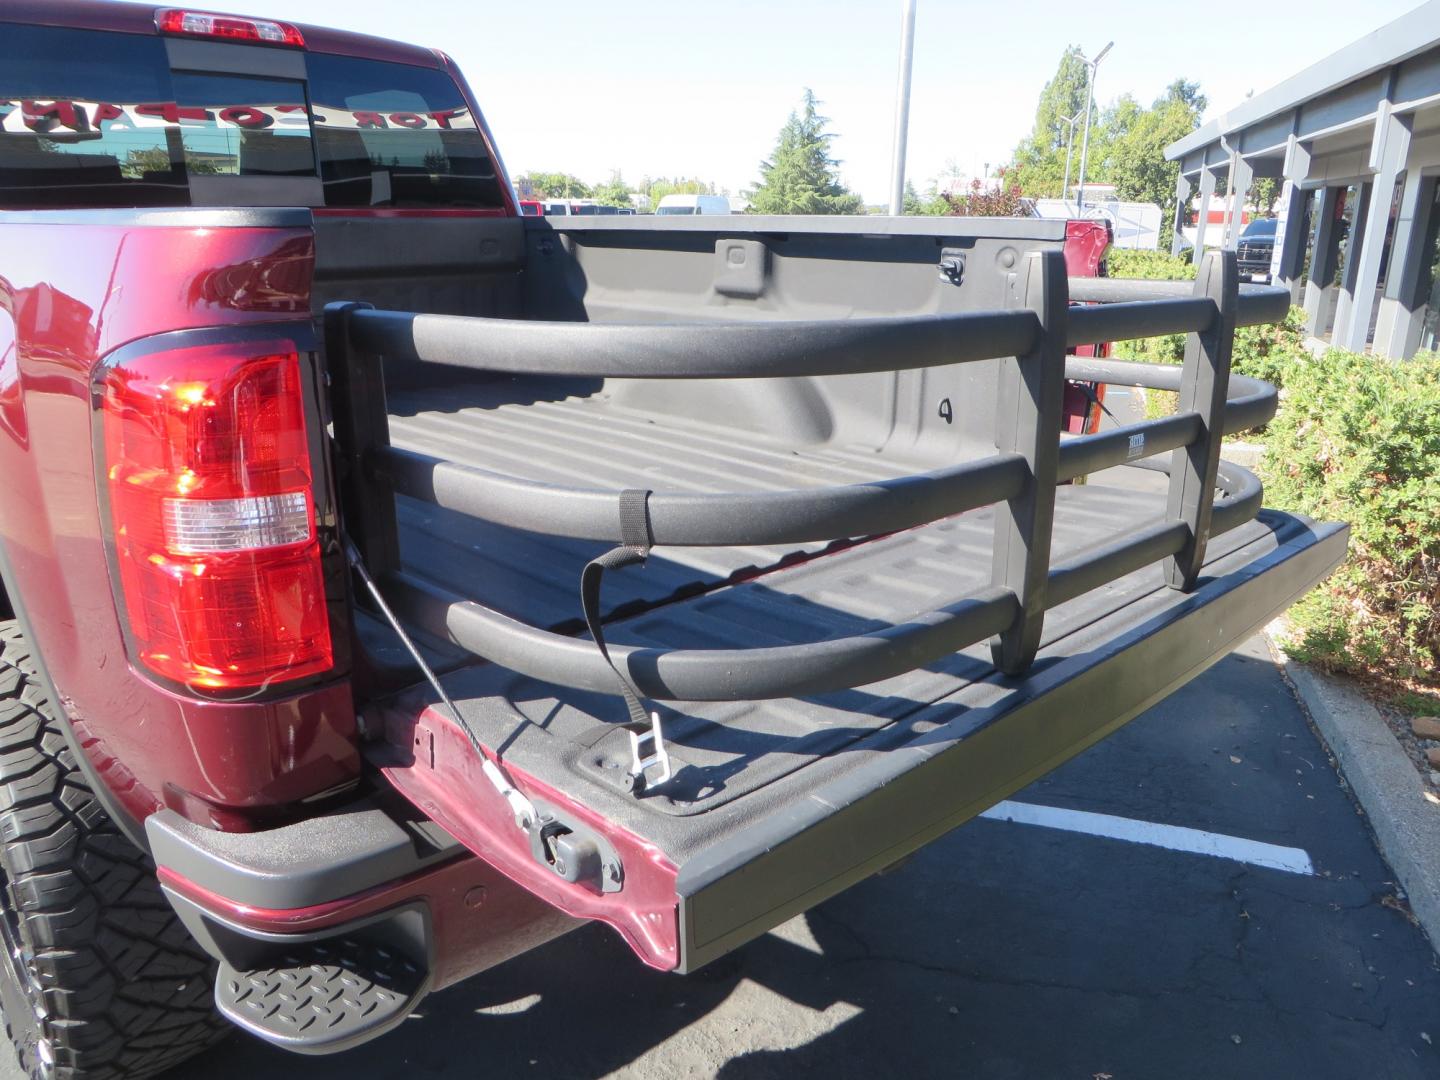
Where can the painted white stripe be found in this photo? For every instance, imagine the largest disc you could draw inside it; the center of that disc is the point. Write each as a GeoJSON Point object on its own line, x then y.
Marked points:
{"type": "Point", "coordinates": [1175, 837]}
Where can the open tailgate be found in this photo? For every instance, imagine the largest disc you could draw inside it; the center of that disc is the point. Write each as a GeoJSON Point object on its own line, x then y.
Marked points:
{"type": "Point", "coordinates": [792, 783]}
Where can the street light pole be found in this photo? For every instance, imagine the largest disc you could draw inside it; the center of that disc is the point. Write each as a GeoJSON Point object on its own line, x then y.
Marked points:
{"type": "Point", "coordinates": [1069, 146]}
{"type": "Point", "coordinates": [902, 107]}
{"type": "Point", "coordinates": [1085, 139]}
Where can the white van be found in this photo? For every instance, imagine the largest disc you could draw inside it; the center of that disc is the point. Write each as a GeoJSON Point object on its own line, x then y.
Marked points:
{"type": "Point", "coordinates": [693, 204]}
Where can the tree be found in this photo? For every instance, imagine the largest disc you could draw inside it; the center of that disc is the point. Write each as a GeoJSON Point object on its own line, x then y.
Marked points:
{"type": "Point", "coordinates": [1039, 166]}
{"type": "Point", "coordinates": [912, 204]}
{"type": "Point", "coordinates": [554, 185]}
{"type": "Point", "coordinates": [799, 177]}
{"type": "Point", "coordinates": [1187, 93]}
{"type": "Point", "coordinates": [1264, 194]}
{"type": "Point", "coordinates": [658, 189]}
{"type": "Point", "coordinates": [614, 192]}
{"type": "Point", "coordinates": [931, 204]}
{"type": "Point", "coordinates": [1137, 159]}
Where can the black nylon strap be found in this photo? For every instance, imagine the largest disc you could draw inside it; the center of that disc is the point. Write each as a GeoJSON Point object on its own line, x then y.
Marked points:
{"type": "Point", "coordinates": [635, 542]}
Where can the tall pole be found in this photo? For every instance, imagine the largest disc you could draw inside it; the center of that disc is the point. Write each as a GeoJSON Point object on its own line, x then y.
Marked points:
{"type": "Point", "coordinates": [902, 107]}
{"type": "Point", "coordinates": [1069, 146]}
{"type": "Point", "coordinates": [1085, 139]}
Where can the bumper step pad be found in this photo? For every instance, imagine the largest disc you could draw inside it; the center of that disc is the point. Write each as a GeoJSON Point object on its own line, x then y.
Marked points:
{"type": "Point", "coordinates": [323, 996]}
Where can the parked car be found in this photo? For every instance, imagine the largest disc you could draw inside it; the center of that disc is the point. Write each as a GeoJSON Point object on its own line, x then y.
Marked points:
{"type": "Point", "coordinates": [309, 436]}
{"type": "Point", "coordinates": [693, 204]}
{"type": "Point", "coordinates": [531, 208]}
{"type": "Point", "coordinates": [1255, 248]}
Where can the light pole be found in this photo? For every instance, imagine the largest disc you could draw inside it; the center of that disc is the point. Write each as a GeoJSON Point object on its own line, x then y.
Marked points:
{"type": "Point", "coordinates": [1069, 145]}
{"type": "Point", "coordinates": [1085, 139]}
{"type": "Point", "coordinates": [902, 107]}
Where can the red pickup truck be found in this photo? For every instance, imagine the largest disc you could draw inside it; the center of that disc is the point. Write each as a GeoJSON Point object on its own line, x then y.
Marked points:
{"type": "Point", "coordinates": [393, 582]}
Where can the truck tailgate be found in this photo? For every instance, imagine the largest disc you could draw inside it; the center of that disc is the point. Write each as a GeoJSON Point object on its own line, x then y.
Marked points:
{"type": "Point", "coordinates": [777, 804]}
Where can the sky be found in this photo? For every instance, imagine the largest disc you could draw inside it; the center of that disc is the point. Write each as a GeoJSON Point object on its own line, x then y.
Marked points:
{"type": "Point", "coordinates": [701, 89]}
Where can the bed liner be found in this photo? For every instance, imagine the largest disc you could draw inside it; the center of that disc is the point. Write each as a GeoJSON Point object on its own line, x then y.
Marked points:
{"type": "Point", "coordinates": [520, 427]}
{"type": "Point", "coordinates": [732, 758]}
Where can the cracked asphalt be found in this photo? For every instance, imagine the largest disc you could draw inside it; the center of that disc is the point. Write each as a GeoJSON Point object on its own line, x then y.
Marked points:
{"type": "Point", "coordinates": [1007, 950]}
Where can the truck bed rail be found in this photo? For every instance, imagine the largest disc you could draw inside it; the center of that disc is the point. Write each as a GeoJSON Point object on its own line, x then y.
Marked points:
{"type": "Point", "coordinates": [1030, 339]}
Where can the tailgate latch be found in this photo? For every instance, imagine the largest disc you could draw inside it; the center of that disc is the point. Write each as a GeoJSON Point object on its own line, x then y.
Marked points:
{"type": "Point", "coordinates": [642, 763]}
{"type": "Point", "coordinates": [952, 265]}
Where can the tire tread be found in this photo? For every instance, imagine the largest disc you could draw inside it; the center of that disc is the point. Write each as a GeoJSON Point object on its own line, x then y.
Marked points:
{"type": "Point", "coordinates": [127, 992]}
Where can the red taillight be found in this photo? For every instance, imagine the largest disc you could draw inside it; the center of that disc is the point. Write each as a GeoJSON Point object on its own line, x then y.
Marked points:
{"type": "Point", "coordinates": [212, 510]}
{"type": "Point", "coordinates": [230, 27]}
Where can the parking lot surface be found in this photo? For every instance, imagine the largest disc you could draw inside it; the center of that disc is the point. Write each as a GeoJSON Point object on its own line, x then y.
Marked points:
{"type": "Point", "coordinates": [1010, 949]}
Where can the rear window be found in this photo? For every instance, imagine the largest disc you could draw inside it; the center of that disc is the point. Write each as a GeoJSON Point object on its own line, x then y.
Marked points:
{"type": "Point", "coordinates": [395, 135]}
{"type": "Point", "coordinates": [93, 119]}
{"type": "Point", "coordinates": [82, 120]}
{"type": "Point", "coordinates": [234, 125]}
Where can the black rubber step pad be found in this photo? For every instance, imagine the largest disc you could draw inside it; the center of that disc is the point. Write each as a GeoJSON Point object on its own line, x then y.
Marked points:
{"type": "Point", "coordinates": [323, 996]}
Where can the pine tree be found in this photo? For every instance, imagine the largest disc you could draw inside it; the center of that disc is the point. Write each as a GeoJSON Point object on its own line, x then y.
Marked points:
{"type": "Point", "coordinates": [800, 176]}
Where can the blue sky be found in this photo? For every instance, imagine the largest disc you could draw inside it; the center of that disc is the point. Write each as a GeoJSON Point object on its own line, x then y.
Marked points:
{"type": "Point", "coordinates": [700, 89]}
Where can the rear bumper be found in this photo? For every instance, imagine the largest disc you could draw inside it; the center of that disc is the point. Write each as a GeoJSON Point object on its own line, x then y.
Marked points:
{"type": "Point", "coordinates": [364, 873]}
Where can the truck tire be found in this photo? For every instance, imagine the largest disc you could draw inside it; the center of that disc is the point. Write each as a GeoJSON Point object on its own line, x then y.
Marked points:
{"type": "Point", "coordinates": [98, 978]}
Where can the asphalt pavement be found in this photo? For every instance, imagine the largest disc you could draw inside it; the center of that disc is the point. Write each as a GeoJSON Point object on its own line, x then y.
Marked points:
{"type": "Point", "coordinates": [1008, 949]}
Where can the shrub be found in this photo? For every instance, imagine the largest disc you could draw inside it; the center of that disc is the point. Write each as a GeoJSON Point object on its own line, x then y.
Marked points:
{"type": "Point", "coordinates": [1357, 439]}
{"type": "Point", "coordinates": [1269, 352]}
{"type": "Point", "coordinates": [1152, 265]}
{"type": "Point", "coordinates": [1262, 352]}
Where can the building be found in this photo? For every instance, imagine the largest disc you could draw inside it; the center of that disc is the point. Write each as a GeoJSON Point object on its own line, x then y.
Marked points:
{"type": "Point", "coordinates": [1355, 139]}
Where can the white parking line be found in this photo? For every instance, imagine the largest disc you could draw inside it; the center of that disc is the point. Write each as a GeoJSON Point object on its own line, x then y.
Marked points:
{"type": "Point", "coordinates": [1175, 837]}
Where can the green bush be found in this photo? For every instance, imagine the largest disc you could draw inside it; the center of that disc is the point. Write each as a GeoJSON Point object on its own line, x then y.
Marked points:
{"type": "Point", "coordinates": [1262, 352]}
{"type": "Point", "coordinates": [1357, 439]}
{"type": "Point", "coordinates": [1153, 265]}
{"type": "Point", "coordinates": [1269, 352]}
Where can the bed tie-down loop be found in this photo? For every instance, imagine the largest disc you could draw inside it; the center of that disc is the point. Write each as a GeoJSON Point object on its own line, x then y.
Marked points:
{"type": "Point", "coordinates": [649, 759]}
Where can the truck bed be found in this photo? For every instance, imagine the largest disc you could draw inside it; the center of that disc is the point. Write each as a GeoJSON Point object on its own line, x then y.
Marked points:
{"type": "Point", "coordinates": [750, 776]}
{"type": "Point", "coordinates": [592, 440]}
{"type": "Point", "coordinates": [725, 753]}
{"type": "Point", "coordinates": [851, 466]}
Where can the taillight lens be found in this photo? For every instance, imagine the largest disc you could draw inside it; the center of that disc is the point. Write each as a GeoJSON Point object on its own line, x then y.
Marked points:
{"type": "Point", "coordinates": [212, 510]}
{"type": "Point", "coordinates": [230, 27]}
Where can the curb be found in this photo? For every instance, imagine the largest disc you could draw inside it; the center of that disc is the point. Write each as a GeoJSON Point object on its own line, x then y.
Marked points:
{"type": "Point", "coordinates": [1383, 780]}
{"type": "Point", "coordinates": [1245, 454]}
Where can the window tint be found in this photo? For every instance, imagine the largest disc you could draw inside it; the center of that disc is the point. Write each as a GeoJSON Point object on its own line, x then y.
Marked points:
{"type": "Point", "coordinates": [94, 118]}
{"type": "Point", "coordinates": [396, 135]}
{"type": "Point", "coordinates": [233, 125]}
{"type": "Point", "coordinates": [88, 130]}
